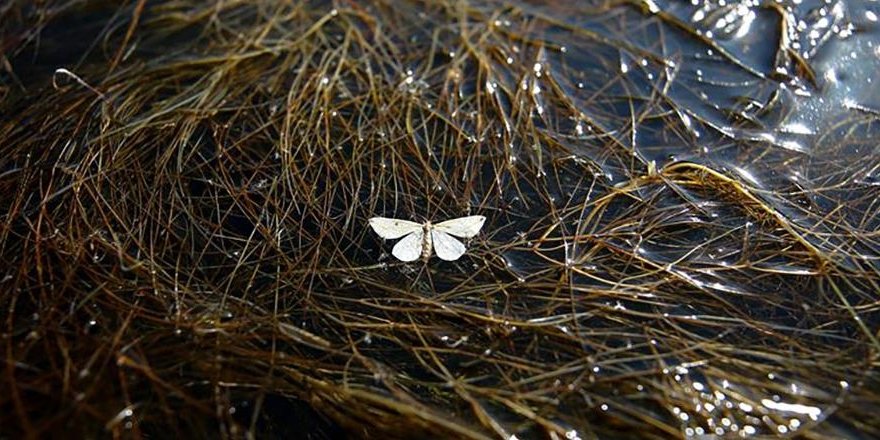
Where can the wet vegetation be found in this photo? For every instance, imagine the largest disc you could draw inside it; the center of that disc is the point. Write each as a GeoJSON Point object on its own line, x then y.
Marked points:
{"type": "Point", "coordinates": [682, 204]}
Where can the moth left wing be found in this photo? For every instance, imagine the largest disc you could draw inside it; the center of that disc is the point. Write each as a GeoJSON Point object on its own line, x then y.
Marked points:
{"type": "Point", "coordinates": [410, 248]}
{"type": "Point", "coordinates": [391, 228]}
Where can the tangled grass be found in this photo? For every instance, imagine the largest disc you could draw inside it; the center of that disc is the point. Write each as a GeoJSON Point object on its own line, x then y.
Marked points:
{"type": "Point", "coordinates": [186, 251]}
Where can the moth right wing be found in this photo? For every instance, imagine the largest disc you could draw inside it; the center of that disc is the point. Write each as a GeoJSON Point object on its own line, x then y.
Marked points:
{"type": "Point", "coordinates": [391, 228]}
{"type": "Point", "coordinates": [410, 248]}
{"type": "Point", "coordinates": [462, 227]}
{"type": "Point", "coordinates": [447, 247]}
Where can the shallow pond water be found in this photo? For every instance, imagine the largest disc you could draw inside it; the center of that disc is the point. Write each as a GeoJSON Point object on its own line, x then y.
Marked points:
{"type": "Point", "coordinates": [681, 202]}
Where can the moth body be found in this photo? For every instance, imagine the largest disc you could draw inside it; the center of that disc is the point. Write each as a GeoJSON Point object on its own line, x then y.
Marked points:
{"type": "Point", "coordinates": [427, 243]}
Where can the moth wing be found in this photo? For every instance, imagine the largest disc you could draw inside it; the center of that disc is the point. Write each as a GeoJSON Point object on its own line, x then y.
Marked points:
{"type": "Point", "coordinates": [463, 227]}
{"type": "Point", "coordinates": [410, 248]}
{"type": "Point", "coordinates": [391, 228]}
{"type": "Point", "coordinates": [447, 247]}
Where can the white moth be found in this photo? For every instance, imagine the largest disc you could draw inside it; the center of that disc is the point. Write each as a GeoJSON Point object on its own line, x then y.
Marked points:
{"type": "Point", "coordinates": [420, 239]}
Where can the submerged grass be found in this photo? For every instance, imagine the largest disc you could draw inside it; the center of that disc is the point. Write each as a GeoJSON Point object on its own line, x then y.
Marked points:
{"type": "Point", "coordinates": [185, 244]}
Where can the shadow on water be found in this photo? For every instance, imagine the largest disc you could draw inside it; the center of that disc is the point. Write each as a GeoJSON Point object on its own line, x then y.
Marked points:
{"type": "Point", "coordinates": [682, 233]}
